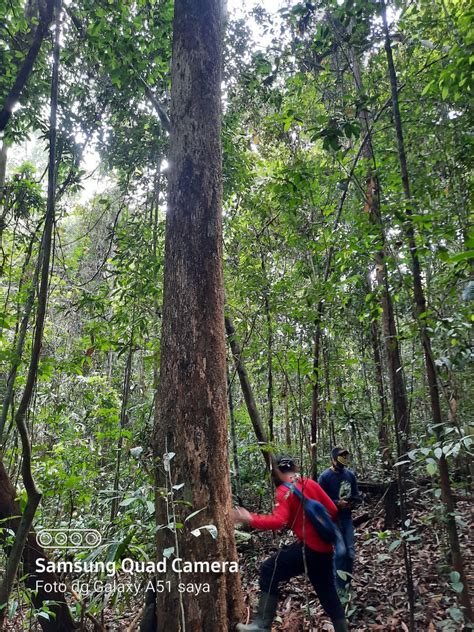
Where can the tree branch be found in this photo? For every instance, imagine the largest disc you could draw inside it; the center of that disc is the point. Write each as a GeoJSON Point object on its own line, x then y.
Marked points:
{"type": "Point", "coordinates": [46, 15]}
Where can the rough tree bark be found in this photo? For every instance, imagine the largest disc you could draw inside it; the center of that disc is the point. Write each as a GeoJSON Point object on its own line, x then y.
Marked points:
{"type": "Point", "coordinates": [420, 312]}
{"type": "Point", "coordinates": [191, 420]}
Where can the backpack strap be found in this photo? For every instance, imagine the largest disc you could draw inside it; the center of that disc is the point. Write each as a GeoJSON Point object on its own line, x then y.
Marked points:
{"type": "Point", "coordinates": [296, 491]}
{"type": "Point", "coordinates": [317, 515]}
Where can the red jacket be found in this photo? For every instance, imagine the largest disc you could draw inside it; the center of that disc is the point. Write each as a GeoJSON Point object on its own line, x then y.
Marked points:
{"type": "Point", "coordinates": [289, 512]}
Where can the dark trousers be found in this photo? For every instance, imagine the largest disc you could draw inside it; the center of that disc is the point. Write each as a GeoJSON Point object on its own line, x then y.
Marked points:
{"type": "Point", "coordinates": [345, 552]}
{"type": "Point", "coordinates": [289, 562]}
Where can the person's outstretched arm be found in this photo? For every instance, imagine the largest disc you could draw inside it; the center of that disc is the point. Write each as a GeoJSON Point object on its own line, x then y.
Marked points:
{"type": "Point", "coordinates": [272, 522]}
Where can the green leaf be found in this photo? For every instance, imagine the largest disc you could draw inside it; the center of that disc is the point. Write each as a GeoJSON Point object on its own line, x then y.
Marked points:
{"type": "Point", "coordinates": [456, 614]}
{"type": "Point", "coordinates": [427, 87]}
{"type": "Point", "coordinates": [462, 256]}
{"type": "Point", "coordinates": [128, 501]}
{"type": "Point", "coordinates": [43, 615]}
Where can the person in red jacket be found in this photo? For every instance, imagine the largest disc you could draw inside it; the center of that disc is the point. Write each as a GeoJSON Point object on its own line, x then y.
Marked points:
{"type": "Point", "coordinates": [309, 552]}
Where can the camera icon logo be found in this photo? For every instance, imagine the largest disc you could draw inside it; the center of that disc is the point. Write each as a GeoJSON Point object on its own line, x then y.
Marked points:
{"type": "Point", "coordinates": [68, 538]}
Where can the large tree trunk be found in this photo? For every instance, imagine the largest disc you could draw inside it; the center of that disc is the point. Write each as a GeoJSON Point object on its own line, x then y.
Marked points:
{"type": "Point", "coordinates": [190, 439]}
{"type": "Point", "coordinates": [420, 312]}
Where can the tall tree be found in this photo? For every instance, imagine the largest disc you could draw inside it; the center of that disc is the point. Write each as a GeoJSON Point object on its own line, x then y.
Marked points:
{"type": "Point", "coordinates": [421, 315]}
{"type": "Point", "coordinates": [248, 392]}
{"type": "Point", "coordinates": [8, 505]}
{"type": "Point", "coordinates": [392, 347]}
{"type": "Point", "coordinates": [190, 441]}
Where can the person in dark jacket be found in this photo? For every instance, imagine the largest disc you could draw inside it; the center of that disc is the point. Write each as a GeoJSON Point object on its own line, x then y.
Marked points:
{"type": "Point", "coordinates": [340, 484]}
{"type": "Point", "coordinates": [309, 551]}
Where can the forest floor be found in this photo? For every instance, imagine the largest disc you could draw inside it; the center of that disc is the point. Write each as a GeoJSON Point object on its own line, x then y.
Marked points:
{"type": "Point", "coordinates": [378, 598]}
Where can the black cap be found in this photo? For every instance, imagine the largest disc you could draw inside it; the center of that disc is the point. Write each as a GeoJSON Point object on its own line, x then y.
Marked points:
{"type": "Point", "coordinates": [337, 451]}
{"type": "Point", "coordinates": [286, 464]}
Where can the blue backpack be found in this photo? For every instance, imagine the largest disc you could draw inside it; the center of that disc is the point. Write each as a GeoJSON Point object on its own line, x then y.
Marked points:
{"type": "Point", "coordinates": [317, 515]}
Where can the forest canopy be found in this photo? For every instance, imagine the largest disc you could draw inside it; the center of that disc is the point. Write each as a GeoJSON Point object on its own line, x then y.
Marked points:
{"type": "Point", "coordinates": [229, 233]}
